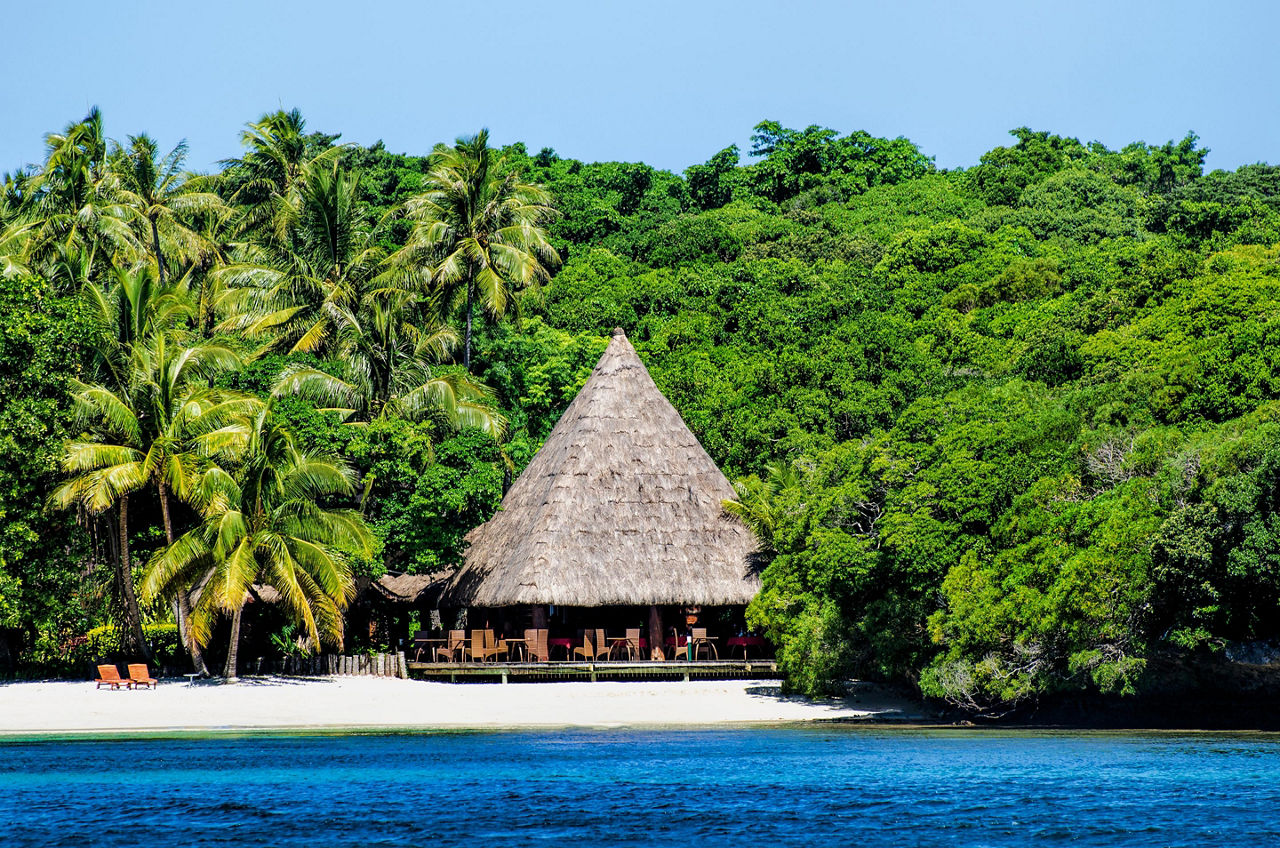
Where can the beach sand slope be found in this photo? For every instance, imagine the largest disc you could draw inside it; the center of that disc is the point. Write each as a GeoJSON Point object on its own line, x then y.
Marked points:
{"type": "Point", "coordinates": [387, 703]}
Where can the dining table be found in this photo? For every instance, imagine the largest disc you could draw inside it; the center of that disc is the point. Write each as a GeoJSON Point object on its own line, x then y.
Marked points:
{"type": "Point", "coordinates": [516, 646]}
{"type": "Point", "coordinates": [428, 645]}
{"type": "Point", "coordinates": [745, 643]}
{"type": "Point", "coordinates": [560, 642]}
{"type": "Point", "coordinates": [618, 644]}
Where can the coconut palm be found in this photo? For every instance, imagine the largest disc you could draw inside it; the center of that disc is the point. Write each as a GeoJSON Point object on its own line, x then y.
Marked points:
{"type": "Point", "coordinates": [266, 181]}
{"type": "Point", "coordinates": [264, 525]}
{"type": "Point", "coordinates": [160, 194]}
{"type": "Point", "coordinates": [478, 233]}
{"type": "Point", "coordinates": [17, 219]}
{"type": "Point", "coordinates": [74, 199]}
{"type": "Point", "coordinates": [759, 503]}
{"type": "Point", "coordinates": [139, 423]}
{"type": "Point", "coordinates": [387, 369]}
{"type": "Point", "coordinates": [295, 294]}
{"type": "Point", "coordinates": [130, 308]}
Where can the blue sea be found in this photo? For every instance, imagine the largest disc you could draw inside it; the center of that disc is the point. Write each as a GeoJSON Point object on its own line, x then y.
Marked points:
{"type": "Point", "coordinates": [832, 785]}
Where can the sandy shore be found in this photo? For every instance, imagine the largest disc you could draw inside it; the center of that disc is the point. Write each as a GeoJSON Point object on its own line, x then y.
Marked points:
{"type": "Point", "coordinates": [388, 703]}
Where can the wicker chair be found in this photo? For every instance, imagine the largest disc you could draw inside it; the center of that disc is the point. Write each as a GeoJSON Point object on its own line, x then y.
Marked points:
{"type": "Point", "coordinates": [497, 645]}
{"type": "Point", "coordinates": [594, 645]}
{"type": "Point", "coordinates": [632, 644]}
{"type": "Point", "coordinates": [535, 641]}
{"type": "Point", "coordinates": [701, 643]}
{"type": "Point", "coordinates": [482, 646]}
{"type": "Point", "coordinates": [454, 649]}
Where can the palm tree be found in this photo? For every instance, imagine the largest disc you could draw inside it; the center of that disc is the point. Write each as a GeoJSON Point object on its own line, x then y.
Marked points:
{"type": "Point", "coordinates": [266, 180]}
{"type": "Point", "coordinates": [264, 525]}
{"type": "Point", "coordinates": [296, 293]}
{"type": "Point", "coordinates": [759, 503]}
{"type": "Point", "coordinates": [17, 219]}
{"type": "Point", "coordinates": [387, 369]}
{"type": "Point", "coordinates": [478, 233]}
{"type": "Point", "coordinates": [130, 309]}
{"type": "Point", "coordinates": [160, 194]}
{"type": "Point", "coordinates": [75, 201]}
{"type": "Point", "coordinates": [140, 436]}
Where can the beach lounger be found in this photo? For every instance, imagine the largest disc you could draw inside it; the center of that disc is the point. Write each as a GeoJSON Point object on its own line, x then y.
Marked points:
{"type": "Point", "coordinates": [141, 678]}
{"type": "Point", "coordinates": [109, 675]}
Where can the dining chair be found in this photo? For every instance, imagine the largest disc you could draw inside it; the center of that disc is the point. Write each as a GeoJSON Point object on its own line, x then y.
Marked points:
{"type": "Point", "coordinates": [452, 650]}
{"type": "Point", "coordinates": [701, 643]}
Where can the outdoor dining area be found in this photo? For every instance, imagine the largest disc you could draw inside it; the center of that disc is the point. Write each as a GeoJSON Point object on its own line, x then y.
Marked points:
{"type": "Point", "coordinates": [536, 645]}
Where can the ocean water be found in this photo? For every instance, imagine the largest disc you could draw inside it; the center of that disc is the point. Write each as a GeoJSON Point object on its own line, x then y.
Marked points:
{"type": "Point", "coordinates": [832, 785]}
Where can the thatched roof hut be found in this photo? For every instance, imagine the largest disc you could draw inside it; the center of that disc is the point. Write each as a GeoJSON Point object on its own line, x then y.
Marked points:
{"type": "Point", "coordinates": [419, 589]}
{"type": "Point", "coordinates": [622, 506]}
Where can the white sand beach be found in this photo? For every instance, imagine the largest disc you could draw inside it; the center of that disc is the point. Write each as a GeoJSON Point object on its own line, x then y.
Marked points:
{"type": "Point", "coordinates": [57, 707]}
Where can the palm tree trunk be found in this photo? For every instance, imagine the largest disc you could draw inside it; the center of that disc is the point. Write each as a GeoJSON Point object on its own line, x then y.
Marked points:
{"type": "Point", "coordinates": [466, 350]}
{"type": "Point", "coordinates": [133, 614]}
{"type": "Point", "coordinates": [233, 649]}
{"type": "Point", "coordinates": [184, 601]}
{"type": "Point", "coordinates": [155, 241]}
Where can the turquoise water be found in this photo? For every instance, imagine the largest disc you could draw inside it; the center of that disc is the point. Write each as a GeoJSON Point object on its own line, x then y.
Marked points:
{"type": "Point", "coordinates": [775, 787]}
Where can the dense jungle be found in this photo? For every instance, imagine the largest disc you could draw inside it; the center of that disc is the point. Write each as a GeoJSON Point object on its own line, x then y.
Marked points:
{"type": "Point", "coordinates": [1003, 432]}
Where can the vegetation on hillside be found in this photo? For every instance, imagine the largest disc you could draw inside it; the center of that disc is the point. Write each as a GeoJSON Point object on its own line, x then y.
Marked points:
{"type": "Point", "coordinates": [1004, 431]}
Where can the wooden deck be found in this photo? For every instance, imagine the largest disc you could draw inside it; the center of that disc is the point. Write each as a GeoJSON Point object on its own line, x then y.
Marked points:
{"type": "Point", "coordinates": [646, 670]}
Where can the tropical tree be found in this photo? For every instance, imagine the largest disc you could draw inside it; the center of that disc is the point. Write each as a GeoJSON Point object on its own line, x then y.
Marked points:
{"type": "Point", "coordinates": [478, 233]}
{"type": "Point", "coordinates": [160, 194]}
{"type": "Point", "coordinates": [139, 436]}
{"type": "Point", "coordinates": [264, 525]}
{"type": "Point", "coordinates": [294, 293]}
{"type": "Point", "coordinates": [759, 503]}
{"type": "Point", "coordinates": [267, 181]}
{"type": "Point", "coordinates": [387, 370]}
{"type": "Point", "coordinates": [75, 202]}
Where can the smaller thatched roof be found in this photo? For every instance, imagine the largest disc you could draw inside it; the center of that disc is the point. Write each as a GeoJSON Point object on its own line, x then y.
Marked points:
{"type": "Point", "coordinates": [421, 589]}
{"type": "Point", "coordinates": [622, 506]}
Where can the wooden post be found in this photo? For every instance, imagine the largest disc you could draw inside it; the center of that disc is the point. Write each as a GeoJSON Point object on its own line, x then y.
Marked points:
{"type": "Point", "coordinates": [655, 634]}
{"type": "Point", "coordinates": [539, 616]}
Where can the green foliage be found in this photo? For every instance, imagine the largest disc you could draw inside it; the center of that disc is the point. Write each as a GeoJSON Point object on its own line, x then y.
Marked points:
{"type": "Point", "coordinates": [1003, 432]}
{"type": "Point", "coordinates": [76, 656]}
{"type": "Point", "coordinates": [40, 334]}
{"type": "Point", "coordinates": [457, 492]}
{"type": "Point", "coordinates": [810, 166]}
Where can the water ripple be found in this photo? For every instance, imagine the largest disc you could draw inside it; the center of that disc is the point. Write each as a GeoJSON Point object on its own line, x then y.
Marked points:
{"type": "Point", "coordinates": [770, 787]}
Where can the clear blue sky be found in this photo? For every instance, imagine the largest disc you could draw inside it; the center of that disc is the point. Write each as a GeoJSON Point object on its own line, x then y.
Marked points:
{"type": "Point", "coordinates": [668, 83]}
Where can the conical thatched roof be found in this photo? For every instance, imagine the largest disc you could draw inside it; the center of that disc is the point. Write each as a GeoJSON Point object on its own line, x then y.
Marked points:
{"type": "Point", "coordinates": [621, 506]}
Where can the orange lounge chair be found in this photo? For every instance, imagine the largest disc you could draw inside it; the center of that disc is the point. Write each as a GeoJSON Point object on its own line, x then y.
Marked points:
{"type": "Point", "coordinates": [109, 675]}
{"type": "Point", "coordinates": [141, 678]}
